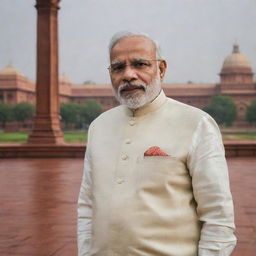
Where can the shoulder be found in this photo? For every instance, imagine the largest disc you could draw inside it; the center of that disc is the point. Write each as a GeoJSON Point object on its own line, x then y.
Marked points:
{"type": "Point", "coordinates": [184, 113]}
{"type": "Point", "coordinates": [185, 109]}
{"type": "Point", "coordinates": [189, 118]}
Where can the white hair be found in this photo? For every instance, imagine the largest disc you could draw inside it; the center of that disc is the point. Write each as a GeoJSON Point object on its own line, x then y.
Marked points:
{"type": "Point", "coordinates": [122, 34]}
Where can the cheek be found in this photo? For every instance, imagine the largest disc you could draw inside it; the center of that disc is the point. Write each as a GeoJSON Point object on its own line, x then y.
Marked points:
{"type": "Point", "coordinates": [115, 82]}
{"type": "Point", "coordinates": [148, 77]}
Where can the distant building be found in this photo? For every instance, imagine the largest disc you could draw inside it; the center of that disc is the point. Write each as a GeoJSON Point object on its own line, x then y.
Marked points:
{"type": "Point", "coordinates": [15, 87]}
{"type": "Point", "coordinates": [236, 81]}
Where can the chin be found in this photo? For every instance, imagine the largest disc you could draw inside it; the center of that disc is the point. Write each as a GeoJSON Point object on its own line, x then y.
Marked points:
{"type": "Point", "coordinates": [135, 101]}
{"type": "Point", "coordinates": [139, 97]}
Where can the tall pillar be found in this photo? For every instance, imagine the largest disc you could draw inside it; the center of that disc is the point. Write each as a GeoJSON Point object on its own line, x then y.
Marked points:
{"type": "Point", "coordinates": [47, 120]}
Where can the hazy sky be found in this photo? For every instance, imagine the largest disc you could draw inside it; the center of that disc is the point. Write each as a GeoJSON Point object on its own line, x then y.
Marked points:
{"type": "Point", "coordinates": [195, 35]}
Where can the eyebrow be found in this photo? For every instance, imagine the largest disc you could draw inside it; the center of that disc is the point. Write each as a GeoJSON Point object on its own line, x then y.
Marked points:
{"type": "Point", "coordinates": [138, 59]}
{"type": "Point", "coordinates": [116, 62]}
{"type": "Point", "coordinates": [121, 62]}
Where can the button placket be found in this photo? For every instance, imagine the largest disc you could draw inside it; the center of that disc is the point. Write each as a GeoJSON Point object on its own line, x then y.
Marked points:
{"type": "Point", "coordinates": [125, 150]}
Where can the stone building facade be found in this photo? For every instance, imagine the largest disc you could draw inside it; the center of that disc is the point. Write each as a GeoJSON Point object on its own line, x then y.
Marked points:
{"type": "Point", "coordinates": [236, 81]}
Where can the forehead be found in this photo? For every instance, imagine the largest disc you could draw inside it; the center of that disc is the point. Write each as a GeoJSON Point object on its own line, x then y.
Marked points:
{"type": "Point", "coordinates": [133, 47]}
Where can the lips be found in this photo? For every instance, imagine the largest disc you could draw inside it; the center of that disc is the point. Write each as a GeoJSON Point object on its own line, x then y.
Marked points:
{"type": "Point", "coordinates": [131, 89]}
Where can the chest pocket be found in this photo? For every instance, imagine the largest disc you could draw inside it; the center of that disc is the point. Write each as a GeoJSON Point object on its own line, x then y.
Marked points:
{"type": "Point", "coordinates": [160, 176]}
{"type": "Point", "coordinates": [161, 170]}
{"type": "Point", "coordinates": [161, 164]}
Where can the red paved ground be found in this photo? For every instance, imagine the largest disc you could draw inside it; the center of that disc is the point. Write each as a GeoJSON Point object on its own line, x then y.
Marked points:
{"type": "Point", "coordinates": [38, 206]}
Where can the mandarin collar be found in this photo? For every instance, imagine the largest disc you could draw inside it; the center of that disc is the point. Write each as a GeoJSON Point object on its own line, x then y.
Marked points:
{"type": "Point", "coordinates": [150, 107]}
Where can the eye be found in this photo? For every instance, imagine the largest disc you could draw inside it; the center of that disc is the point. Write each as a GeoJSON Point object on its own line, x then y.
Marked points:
{"type": "Point", "coordinates": [140, 64]}
{"type": "Point", "coordinates": [118, 67]}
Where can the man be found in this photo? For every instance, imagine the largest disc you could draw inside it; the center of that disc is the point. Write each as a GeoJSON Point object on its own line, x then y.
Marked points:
{"type": "Point", "coordinates": [155, 178]}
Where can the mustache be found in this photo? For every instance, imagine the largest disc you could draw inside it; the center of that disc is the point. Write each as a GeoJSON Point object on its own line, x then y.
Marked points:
{"type": "Point", "coordinates": [130, 85]}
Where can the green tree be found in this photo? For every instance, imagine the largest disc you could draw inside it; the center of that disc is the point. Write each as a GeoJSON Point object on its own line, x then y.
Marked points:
{"type": "Point", "coordinates": [23, 111]}
{"type": "Point", "coordinates": [222, 109]}
{"type": "Point", "coordinates": [251, 112]}
{"type": "Point", "coordinates": [6, 113]}
{"type": "Point", "coordinates": [70, 113]}
{"type": "Point", "coordinates": [89, 110]}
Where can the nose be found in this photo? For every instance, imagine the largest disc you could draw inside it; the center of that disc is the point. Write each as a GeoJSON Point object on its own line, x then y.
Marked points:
{"type": "Point", "coordinates": [129, 74]}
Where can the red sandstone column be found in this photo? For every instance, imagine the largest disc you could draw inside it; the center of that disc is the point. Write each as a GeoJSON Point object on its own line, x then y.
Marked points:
{"type": "Point", "coordinates": [47, 122]}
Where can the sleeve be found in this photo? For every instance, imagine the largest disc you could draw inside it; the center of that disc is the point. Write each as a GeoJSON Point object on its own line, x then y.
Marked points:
{"type": "Point", "coordinates": [210, 181]}
{"type": "Point", "coordinates": [84, 207]}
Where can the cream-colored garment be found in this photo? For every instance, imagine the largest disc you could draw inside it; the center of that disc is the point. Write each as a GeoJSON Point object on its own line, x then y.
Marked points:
{"type": "Point", "coordinates": [177, 205]}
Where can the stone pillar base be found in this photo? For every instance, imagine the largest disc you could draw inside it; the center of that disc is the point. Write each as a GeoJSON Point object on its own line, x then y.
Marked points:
{"type": "Point", "coordinates": [46, 130]}
{"type": "Point", "coordinates": [46, 137]}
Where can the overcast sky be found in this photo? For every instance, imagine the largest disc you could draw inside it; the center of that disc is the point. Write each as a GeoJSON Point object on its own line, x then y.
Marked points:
{"type": "Point", "coordinates": [195, 35]}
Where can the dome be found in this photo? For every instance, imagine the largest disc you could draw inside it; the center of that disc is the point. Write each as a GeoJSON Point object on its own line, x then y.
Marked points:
{"type": "Point", "coordinates": [64, 79]}
{"type": "Point", "coordinates": [10, 70]}
{"type": "Point", "coordinates": [236, 60]}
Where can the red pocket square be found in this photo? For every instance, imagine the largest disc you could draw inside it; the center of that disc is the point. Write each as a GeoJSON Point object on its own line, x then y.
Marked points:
{"type": "Point", "coordinates": [155, 151]}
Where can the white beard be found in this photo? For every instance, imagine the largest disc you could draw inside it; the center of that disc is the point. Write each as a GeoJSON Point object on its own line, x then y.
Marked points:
{"type": "Point", "coordinates": [142, 98]}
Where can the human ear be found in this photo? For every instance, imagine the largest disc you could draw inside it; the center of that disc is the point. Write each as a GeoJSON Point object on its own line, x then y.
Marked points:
{"type": "Point", "coordinates": [162, 68]}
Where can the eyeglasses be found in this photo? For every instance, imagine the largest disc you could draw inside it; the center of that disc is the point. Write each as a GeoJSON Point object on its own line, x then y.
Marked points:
{"type": "Point", "coordinates": [138, 65]}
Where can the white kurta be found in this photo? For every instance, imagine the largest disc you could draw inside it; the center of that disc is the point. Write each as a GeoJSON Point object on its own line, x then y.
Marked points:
{"type": "Point", "coordinates": [176, 205]}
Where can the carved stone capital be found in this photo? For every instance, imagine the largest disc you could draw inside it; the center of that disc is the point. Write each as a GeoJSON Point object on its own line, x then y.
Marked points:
{"type": "Point", "coordinates": [47, 4]}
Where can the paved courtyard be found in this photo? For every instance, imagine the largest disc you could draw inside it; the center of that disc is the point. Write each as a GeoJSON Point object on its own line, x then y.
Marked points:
{"type": "Point", "coordinates": [38, 206]}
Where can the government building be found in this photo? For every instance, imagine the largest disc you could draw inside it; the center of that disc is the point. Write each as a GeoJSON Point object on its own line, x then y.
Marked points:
{"type": "Point", "coordinates": [236, 81]}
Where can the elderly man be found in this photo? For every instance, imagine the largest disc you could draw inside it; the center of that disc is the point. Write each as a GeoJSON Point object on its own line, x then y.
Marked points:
{"type": "Point", "coordinates": [155, 177]}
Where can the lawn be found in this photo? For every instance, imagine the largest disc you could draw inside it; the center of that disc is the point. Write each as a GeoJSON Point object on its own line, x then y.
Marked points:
{"type": "Point", "coordinates": [239, 136]}
{"type": "Point", "coordinates": [75, 136]}
{"type": "Point", "coordinates": [81, 136]}
{"type": "Point", "coordinates": [13, 136]}
{"type": "Point", "coordinates": [21, 137]}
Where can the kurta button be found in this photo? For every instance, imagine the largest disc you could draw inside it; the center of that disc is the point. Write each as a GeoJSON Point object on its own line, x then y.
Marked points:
{"type": "Point", "coordinates": [124, 157]}
{"type": "Point", "coordinates": [132, 122]}
{"type": "Point", "coordinates": [119, 181]}
{"type": "Point", "coordinates": [128, 141]}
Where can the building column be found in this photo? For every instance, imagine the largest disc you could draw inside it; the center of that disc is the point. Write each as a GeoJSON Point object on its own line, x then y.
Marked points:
{"type": "Point", "coordinates": [47, 120]}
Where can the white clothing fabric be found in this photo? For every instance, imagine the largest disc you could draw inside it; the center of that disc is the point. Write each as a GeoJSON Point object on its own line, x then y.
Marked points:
{"type": "Point", "coordinates": [131, 205]}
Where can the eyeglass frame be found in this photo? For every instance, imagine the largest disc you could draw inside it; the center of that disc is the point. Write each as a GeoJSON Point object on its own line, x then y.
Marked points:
{"type": "Point", "coordinates": [125, 65]}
